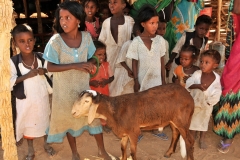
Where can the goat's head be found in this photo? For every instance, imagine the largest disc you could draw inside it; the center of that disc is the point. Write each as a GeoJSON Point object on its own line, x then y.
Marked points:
{"type": "Point", "coordinates": [86, 105]}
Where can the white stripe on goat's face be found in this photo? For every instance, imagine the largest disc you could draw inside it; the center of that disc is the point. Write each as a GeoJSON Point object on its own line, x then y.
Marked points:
{"type": "Point", "coordinates": [82, 105]}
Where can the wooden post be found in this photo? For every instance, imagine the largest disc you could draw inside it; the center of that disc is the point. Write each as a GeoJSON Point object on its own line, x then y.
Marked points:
{"type": "Point", "coordinates": [8, 140]}
{"type": "Point", "coordinates": [39, 18]}
{"type": "Point", "coordinates": [218, 27]}
{"type": "Point", "coordinates": [25, 8]}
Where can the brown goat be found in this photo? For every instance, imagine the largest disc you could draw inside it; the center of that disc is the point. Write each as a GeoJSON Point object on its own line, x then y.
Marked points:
{"type": "Point", "coordinates": [154, 108]}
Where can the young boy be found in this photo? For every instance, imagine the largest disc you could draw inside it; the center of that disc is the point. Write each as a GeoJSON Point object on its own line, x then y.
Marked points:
{"type": "Point", "coordinates": [196, 38]}
{"type": "Point", "coordinates": [161, 31]}
{"type": "Point", "coordinates": [205, 88]}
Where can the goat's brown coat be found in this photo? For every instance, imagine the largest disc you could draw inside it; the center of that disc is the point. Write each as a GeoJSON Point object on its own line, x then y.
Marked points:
{"type": "Point", "coordinates": [157, 107]}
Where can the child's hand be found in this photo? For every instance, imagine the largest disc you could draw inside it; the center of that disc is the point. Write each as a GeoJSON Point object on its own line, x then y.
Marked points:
{"type": "Point", "coordinates": [94, 83]}
{"type": "Point", "coordinates": [32, 73]}
{"type": "Point", "coordinates": [202, 87]}
{"type": "Point", "coordinates": [185, 78]}
{"type": "Point", "coordinates": [84, 66]}
{"type": "Point", "coordinates": [130, 74]}
{"type": "Point", "coordinates": [41, 71]}
{"type": "Point", "coordinates": [168, 66]}
{"type": "Point", "coordinates": [136, 86]}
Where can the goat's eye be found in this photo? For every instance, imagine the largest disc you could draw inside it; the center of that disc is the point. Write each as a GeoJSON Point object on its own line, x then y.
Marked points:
{"type": "Point", "coordinates": [86, 101]}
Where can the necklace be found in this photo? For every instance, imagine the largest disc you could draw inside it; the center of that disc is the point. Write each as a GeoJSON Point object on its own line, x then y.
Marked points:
{"type": "Point", "coordinates": [188, 68]}
{"type": "Point", "coordinates": [32, 66]}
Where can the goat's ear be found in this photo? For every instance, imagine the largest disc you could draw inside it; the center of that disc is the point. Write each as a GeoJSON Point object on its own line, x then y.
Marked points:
{"type": "Point", "coordinates": [92, 112]}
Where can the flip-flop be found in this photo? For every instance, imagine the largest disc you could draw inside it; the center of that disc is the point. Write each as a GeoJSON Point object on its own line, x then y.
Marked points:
{"type": "Point", "coordinates": [162, 136]}
{"type": "Point", "coordinates": [223, 147]}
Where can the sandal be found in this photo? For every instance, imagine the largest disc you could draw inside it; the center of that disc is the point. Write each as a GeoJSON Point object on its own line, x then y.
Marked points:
{"type": "Point", "coordinates": [30, 157]}
{"type": "Point", "coordinates": [140, 137]}
{"type": "Point", "coordinates": [162, 136]}
{"type": "Point", "coordinates": [50, 151]}
{"type": "Point", "coordinates": [223, 147]}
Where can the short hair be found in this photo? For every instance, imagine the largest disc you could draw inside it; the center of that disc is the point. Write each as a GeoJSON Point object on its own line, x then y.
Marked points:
{"type": "Point", "coordinates": [76, 9]}
{"type": "Point", "coordinates": [99, 44]}
{"type": "Point", "coordinates": [190, 48]}
{"type": "Point", "coordinates": [204, 19]}
{"type": "Point", "coordinates": [214, 54]}
{"type": "Point", "coordinates": [21, 28]}
{"type": "Point", "coordinates": [145, 14]}
{"type": "Point", "coordinates": [128, 6]}
{"type": "Point", "coordinates": [161, 20]}
{"type": "Point", "coordinates": [87, 1]}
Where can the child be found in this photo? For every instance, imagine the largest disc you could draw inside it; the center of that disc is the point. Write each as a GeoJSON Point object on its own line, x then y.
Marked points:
{"type": "Point", "coordinates": [104, 12]}
{"type": "Point", "coordinates": [188, 56]}
{"type": "Point", "coordinates": [196, 38]}
{"type": "Point", "coordinates": [104, 76]}
{"type": "Point", "coordinates": [161, 31]}
{"type": "Point", "coordinates": [91, 21]}
{"type": "Point", "coordinates": [116, 30]}
{"type": "Point", "coordinates": [123, 70]}
{"type": "Point", "coordinates": [147, 59]}
{"type": "Point", "coordinates": [67, 53]}
{"type": "Point", "coordinates": [126, 10]}
{"type": "Point", "coordinates": [30, 89]}
{"type": "Point", "coordinates": [205, 88]}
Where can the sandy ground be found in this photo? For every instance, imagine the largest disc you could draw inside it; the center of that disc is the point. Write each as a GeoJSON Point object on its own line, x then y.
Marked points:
{"type": "Point", "coordinates": [150, 148]}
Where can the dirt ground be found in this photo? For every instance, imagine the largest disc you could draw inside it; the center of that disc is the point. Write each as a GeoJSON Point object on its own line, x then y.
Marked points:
{"type": "Point", "coordinates": [149, 148]}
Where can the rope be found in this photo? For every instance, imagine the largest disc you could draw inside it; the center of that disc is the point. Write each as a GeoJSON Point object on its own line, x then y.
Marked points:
{"type": "Point", "coordinates": [93, 75]}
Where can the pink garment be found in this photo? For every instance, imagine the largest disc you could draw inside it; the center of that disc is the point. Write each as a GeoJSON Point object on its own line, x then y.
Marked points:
{"type": "Point", "coordinates": [231, 75]}
{"type": "Point", "coordinates": [93, 28]}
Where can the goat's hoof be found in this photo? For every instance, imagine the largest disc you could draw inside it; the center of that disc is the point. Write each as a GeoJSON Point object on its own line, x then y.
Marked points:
{"type": "Point", "coordinates": [167, 155]}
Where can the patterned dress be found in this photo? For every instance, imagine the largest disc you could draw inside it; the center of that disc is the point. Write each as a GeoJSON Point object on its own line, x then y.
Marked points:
{"type": "Point", "coordinates": [227, 112]}
{"type": "Point", "coordinates": [149, 61]}
{"type": "Point", "coordinates": [66, 87]}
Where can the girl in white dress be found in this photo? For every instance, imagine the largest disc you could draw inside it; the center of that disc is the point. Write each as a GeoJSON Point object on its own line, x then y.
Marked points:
{"type": "Point", "coordinates": [31, 90]}
{"type": "Point", "coordinates": [147, 52]}
{"type": "Point", "coordinates": [205, 88]}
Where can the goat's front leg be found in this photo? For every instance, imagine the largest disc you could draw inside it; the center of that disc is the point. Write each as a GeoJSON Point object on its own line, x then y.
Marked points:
{"type": "Point", "coordinates": [124, 142]}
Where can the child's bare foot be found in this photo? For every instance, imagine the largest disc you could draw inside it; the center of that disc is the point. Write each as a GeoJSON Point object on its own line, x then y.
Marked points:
{"type": "Point", "coordinates": [202, 145]}
{"type": "Point", "coordinates": [76, 156]}
{"type": "Point", "coordinates": [19, 143]}
{"type": "Point", "coordinates": [50, 151]}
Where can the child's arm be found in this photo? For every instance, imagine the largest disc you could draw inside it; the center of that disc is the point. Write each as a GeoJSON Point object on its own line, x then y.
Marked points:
{"type": "Point", "coordinates": [104, 82]}
{"type": "Point", "coordinates": [163, 75]}
{"type": "Point", "coordinates": [31, 73]}
{"type": "Point", "coordinates": [135, 75]}
{"type": "Point", "coordinates": [192, 82]}
{"type": "Point", "coordinates": [130, 73]}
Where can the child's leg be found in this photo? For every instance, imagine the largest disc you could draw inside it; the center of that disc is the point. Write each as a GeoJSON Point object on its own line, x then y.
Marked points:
{"type": "Point", "coordinates": [159, 134]}
{"type": "Point", "coordinates": [101, 149]}
{"type": "Point", "coordinates": [202, 143]}
{"type": "Point", "coordinates": [48, 148]}
{"type": "Point", "coordinates": [73, 146]}
{"type": "Point", "coordinates": [30, 155]}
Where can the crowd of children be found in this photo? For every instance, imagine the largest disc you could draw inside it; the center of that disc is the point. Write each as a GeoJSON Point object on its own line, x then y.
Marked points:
{"type": "Point", "coordinates": [105, 49]}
